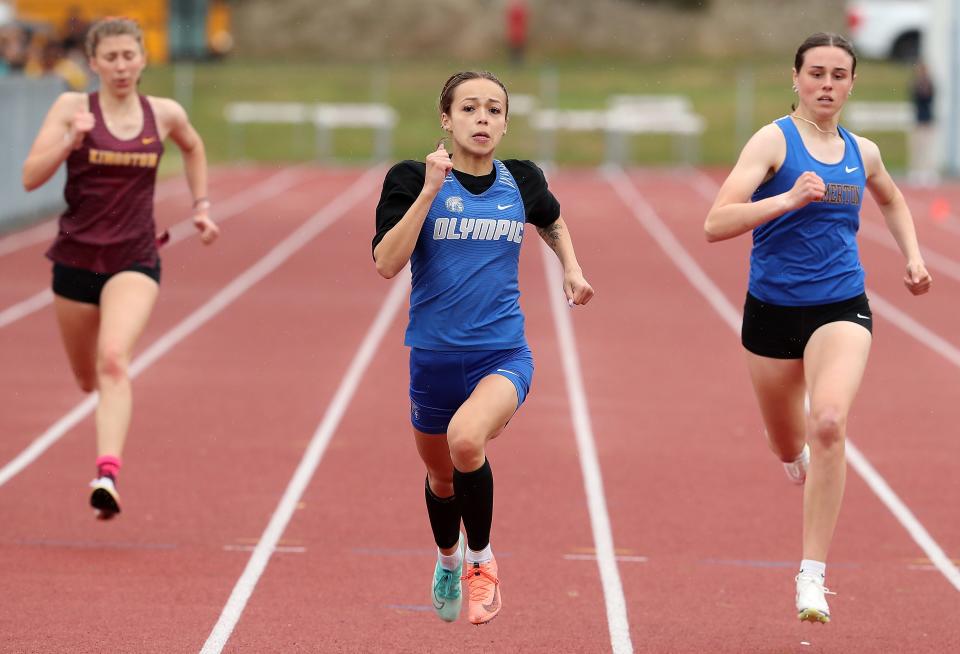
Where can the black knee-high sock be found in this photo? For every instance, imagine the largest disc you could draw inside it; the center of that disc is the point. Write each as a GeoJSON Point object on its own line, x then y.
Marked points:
{"type": "Point", "coordinates": [444, 515]}
{"type": "Point", "coordinates": [474, 491]}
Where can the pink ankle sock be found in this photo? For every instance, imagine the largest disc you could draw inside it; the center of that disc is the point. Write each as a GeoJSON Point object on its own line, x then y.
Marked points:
{"type": "Point", "coordinates": [108, 466]}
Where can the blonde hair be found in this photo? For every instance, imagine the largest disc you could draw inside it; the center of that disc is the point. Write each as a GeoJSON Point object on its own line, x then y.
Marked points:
{"type": "Point", "coordinates": [112, 26]}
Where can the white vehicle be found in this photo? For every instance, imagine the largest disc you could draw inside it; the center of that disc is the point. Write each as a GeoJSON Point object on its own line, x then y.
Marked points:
{"type": "Point", "coordinates": [893, 29]}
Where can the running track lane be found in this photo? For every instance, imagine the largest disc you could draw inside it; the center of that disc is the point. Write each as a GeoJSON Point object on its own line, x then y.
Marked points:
{"type": "Point", "coordinates": [188, 495]}
{"type": "Point", "coordinates": [362, 582]}
{"type": "Point", "coordinates": [47, 387]}
{"type": "Point", "coordinates": [724, 529]}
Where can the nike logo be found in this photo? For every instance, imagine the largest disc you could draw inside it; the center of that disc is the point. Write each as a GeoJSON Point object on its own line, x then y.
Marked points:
{"type": "Point", "coordinates": [509, 372]}
{"type": "Point", "coordinates": [863, 317]}
{"type": "Point", "coordinates": [501, 207]}
{"type": "Point", "coordinates": [494, 604]}
{"type": "Point", "coordinates": [147, 140]}
{"type": "Point", "coordinates": [850, 170]}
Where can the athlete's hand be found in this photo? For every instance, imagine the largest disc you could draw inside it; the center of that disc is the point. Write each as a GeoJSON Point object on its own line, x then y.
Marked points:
{"type": "Point", "coordinates": [208, 229]}
{"type": "Point", "coordinates": [808, 188]}
{"type": "Point", "coordinates": [438, 165]}
{"type": "Point", "coordinates": [917, 280]}
{"type": "Point", "coordinates": [576, 288]}
{"type": "Point", "coordinates": [80, 125]}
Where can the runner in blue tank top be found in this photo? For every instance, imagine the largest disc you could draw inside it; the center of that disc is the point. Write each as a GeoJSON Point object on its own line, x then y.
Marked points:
{"type": "Point", "coordinates": [459, 220]}
{"type": "Point", "coordinates": [807, 325]}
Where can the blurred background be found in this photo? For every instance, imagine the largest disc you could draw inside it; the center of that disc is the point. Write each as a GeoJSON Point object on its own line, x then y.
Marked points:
{"type": "Point", "coordinates": [654, 82]}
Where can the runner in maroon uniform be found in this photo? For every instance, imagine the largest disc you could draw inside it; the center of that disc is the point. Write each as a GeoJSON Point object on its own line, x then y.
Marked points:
{"type": "Point", "coordinates": [106, 270]}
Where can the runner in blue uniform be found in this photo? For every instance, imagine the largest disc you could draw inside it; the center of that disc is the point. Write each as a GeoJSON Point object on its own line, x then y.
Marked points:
{"type": "Point", "coordinates": [807, 325]}
{"type": "Point", "coordinates": [459, 219]}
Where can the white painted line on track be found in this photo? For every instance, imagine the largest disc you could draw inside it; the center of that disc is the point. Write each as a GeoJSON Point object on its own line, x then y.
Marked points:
{"type": "Point", "coordinates": [616, 604]}
{"type": "Point", "coordinates": [308, 465]}
{"type": "Point", "coordinates": [239, 203]}
{"type": "Point", "coordinates": [356, 192]}
{"type": "Point", "coordinates": [649, 219]}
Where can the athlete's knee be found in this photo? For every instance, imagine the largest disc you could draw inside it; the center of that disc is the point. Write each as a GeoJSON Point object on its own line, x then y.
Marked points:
{"type": "Point", "coordinates": [112, 364]}
{"type": "Point", "coordinates": [828, 425]}
{"type": "Point", "coordinates": [465, 444]}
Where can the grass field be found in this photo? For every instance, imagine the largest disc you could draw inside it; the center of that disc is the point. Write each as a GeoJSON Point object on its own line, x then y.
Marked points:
{"type": "Point", "coordinates": [412, 88]}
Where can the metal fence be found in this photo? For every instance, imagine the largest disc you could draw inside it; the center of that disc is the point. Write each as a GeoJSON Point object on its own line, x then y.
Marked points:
{"type": "Point", "coordinates": [23, 104]}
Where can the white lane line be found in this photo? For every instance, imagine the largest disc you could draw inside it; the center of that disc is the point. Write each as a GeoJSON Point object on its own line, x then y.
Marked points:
{"type": "Point", "coordinates": [356, 192]}
{"type": "Point", "coordinates": [645, 214]}
{"type": "Point", "coordinates": [616, 604]}
{"type": "Point", "coordinates": [239, 203]}
{"type": "Point", "coordinates": [308, 465]}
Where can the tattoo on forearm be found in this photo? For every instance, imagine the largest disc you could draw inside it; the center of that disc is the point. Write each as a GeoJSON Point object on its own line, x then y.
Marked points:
{"type": "Point", "coordinates": [551, 234]}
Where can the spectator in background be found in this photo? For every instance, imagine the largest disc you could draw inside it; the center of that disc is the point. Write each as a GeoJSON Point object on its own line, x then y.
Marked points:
{"type": "Point", "coordinates": [922, 162]}
{"type": "Point", "coordinates": [47, 58]}
{"type": "Point", "coordinates": [517, 15]}
{"type": "Point", "coordinates": [13, 48]}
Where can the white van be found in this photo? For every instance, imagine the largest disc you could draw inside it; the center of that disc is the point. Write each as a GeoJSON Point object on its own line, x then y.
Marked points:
{"type": "Point", "coordinates": [882, 29]}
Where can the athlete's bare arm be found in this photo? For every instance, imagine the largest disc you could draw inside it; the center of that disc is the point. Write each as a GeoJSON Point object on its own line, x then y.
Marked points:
{"type": "Point", "coordinates": [393, 251]}
{"type": "Point", "coordinates": [67, 122]}
{"type": "Point", "coordinates": [172, 121]}
{"type": "Point", "coordinates": [733, 213]}
{"type": "Point", "coordinates": [896, 213]}
{"type": "Point", "coordinates": [557, 236]}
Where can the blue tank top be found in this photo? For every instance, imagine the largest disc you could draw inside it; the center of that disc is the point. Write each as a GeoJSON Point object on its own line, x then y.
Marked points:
{"type": "Point", "coordinates": [810, 256]}
{"type": "Point", "coordinates": [465, 291]}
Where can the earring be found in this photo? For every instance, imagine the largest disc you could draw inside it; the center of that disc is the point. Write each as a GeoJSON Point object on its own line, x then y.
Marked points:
{"type": "Point", "coordinates": [795, 89]}
{"type": "Point", "coordinates": [850, 92]}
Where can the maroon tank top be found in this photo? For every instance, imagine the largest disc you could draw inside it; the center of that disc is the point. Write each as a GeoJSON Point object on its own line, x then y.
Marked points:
{"type": "Point", "coordinates": [108, 224]}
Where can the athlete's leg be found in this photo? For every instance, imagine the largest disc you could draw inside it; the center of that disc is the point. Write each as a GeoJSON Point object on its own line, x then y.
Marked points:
{"type": "Point", "coordinates": [834, 361]}
{"type": "Point", "coordinates": [481, 418]}
{"type": "Point", "coordinates": [125, 305]}
{"type": "Point", "coordinates": [442, 509]}
{"type": "Point", "coordinates": [79, 323]}
{"type": "Point", "coordinates": [780, 387]}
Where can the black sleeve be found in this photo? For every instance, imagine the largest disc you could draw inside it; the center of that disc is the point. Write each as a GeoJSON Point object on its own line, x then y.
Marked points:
{"type": "Point", "coordinates": [401, 187]}
{"type": "Point", "coordinates": [541, 206]}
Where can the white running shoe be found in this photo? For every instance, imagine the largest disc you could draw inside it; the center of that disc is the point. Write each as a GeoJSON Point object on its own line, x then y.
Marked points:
{"type": "Point", "coordinates": [797, 469]}
{"type": "Point", "coordinates": [811, 600]}
{"type": "Point", "coordinates": [104, 499]}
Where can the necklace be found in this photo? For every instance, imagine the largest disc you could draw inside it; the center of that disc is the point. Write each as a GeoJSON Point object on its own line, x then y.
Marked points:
{"type": "Point", "coordinates": [818, 128]}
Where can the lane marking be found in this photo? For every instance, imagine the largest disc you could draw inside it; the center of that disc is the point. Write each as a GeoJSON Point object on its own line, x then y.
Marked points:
{"type": "Point", "coordinates": [245, 585]}
{"type": "Point", "coordinates": [655, 226]}
{"type": "Point", "coordinates": [616, 604]}
{"type": "Point", "coordinates": [277, 183]}
{"type": "Point", "coordinates": [226, 296]}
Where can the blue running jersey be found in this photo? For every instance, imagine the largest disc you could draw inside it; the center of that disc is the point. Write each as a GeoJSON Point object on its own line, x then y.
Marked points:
{"type": "Point", "coordinates": [466, 293]}
{"type": "Point", "coordinates": [810, 256]}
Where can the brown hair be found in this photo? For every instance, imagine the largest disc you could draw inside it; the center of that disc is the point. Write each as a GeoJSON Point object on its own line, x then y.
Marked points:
{"type": "Point", "coordinates": [112, 26]}
{"type": "Point", "coordinates": [821, 39]}
{"type": "Point", "coordinates": [455, 80]}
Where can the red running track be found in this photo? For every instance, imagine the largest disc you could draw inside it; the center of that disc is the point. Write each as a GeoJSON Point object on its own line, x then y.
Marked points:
{"type": "Point", "coordinates": [706, 529]}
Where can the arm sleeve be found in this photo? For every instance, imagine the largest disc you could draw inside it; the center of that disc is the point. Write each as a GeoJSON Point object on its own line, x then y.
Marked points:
{"type": "Point", "coordinates": [401, 187]}
{"type": "Point", "coordinates": [542, 208]}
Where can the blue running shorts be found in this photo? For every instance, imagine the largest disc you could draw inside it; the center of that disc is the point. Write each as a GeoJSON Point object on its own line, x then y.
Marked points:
{"type": "Point", "coordinates": [442, 381]}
